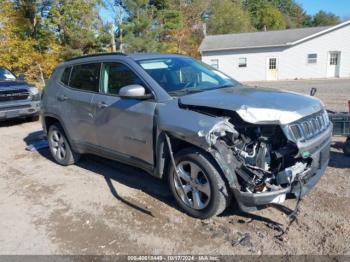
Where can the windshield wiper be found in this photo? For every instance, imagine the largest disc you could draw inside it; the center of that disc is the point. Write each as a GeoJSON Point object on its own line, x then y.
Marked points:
{"type": "Point", "coordinates": [190, 90]}
{"type": "Point", "coordinates": [224, 86]}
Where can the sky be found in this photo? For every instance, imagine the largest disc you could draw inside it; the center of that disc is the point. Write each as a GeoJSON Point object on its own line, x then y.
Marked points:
{"type": "Point", "coordinates": [339, 7]}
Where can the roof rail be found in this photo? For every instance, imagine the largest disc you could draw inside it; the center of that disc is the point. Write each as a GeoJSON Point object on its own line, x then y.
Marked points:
{"type": "Point", "coordinates": [95, 55]}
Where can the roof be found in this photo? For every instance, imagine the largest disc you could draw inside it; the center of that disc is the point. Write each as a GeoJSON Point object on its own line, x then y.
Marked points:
{"type": "Point", "coordinates": [145, 56]}
{"type": "Point", "coordinates": [94, 55]}
{"type": "Point", "coordinates": [134, 56]}
{"type": "Point", "coordinates": [278, 38]}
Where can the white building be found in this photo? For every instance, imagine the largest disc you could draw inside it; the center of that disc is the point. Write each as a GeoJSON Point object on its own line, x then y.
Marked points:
{"type": "Point", "coordinates": [305, 53]}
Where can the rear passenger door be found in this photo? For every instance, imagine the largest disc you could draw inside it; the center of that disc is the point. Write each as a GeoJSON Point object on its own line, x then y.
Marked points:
{"type": "Point", "coordinates": [124, 125]}
{"type": "Point", "coordinates": [75, 99]}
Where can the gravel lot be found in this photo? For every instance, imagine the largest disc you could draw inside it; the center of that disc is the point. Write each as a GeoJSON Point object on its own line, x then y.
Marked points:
{"type": "Point", "coordinates": [102, 207]}
{"type": "Point", "coordinates": [335, 93]}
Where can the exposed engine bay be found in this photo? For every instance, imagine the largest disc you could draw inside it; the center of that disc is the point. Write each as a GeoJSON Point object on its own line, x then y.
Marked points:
{"type": "Point", "coordinates": [265, 159]}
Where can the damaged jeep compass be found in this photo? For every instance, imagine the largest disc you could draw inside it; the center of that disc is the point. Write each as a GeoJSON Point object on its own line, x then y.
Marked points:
{"type": "Point", "coordinates": [212, 138]}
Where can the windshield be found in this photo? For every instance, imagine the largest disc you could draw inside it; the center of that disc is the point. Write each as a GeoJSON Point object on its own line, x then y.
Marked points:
{"type": "Point", "coordinates": [182, 75]}
{"type": "Point", "coordinates": [6, 74]}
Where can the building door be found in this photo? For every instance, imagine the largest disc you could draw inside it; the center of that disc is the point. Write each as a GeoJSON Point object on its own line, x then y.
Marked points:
{"type": "Point", "coordinates": [333, 67]}
{"type": "Point", "coordinates": [272, 68]}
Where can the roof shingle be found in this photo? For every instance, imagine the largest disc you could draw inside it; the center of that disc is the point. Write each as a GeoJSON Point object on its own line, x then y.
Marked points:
{"type": "Point", "coordinates": [257, 39]}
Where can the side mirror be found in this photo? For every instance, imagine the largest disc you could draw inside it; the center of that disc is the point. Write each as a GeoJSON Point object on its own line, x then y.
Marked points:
{"type": "Point", "coordinates": [134, 91]}
{"type": "Point", "coordinates": [22, 77]}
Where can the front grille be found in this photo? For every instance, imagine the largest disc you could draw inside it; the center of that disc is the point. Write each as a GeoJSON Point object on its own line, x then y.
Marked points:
{"type": "Point", "coordinates": [14, 95]}
{"type": "Point", "coordinates": [309, 127]}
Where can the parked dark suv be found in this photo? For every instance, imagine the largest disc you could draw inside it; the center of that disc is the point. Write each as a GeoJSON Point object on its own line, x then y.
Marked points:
{"type": "Point", "coordinates": [17, 98]}
{"type": "Point", "coordinates": [174, 117]}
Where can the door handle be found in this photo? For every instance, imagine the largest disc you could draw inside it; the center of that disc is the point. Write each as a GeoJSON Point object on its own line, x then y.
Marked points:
{"type": "Point", "coordinates": [62, 98]}
{"type": "Point", "coordinates": [101, 105]}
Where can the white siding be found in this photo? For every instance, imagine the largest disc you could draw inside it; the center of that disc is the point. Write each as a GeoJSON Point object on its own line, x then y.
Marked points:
{"type": "Point", "coordinates": [292, 61]}
{"type": "Point", "coordinates": [256, 62]}
{"type": "Point", "coordinates": [295, 58]}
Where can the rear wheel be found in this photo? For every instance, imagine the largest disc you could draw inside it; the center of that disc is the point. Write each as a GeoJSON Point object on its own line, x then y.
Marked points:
{"type": "Point", "coordinates": [198, 187]}
{"type": "Point", "coordinates": [59, 146]}
{"type": "Point", "coordinates": [346, 147]}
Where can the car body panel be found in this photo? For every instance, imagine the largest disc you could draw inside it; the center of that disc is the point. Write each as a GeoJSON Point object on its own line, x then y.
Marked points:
{"type": "Point", "coordinates": [124, 125]}
{"type": "Point", "coordinates": [257, 105]}
{"type": "Point", "coordinates": [77, 110]}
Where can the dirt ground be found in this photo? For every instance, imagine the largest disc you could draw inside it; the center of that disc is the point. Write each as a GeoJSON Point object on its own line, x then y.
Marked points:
{"type": "Point", "coordinates": [102, 207]}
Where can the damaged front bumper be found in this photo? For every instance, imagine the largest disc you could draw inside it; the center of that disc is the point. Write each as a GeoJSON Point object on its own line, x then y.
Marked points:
{"type": "Point", "coordinates": [319, 161]}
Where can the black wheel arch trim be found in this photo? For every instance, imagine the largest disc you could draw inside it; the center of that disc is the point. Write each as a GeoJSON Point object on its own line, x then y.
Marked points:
{"type": "Point", "coordinates": [60, 121]}
{"type": "Point", "coordinates": [162, 157]}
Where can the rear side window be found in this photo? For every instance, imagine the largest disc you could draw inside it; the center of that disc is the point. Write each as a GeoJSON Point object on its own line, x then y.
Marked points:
{"type": "Point", "coordinates": [65, 75]}
{"type": "Point", "coordinates": [116, 75]}
{"type": "Point", "coordinates": [86, 77]}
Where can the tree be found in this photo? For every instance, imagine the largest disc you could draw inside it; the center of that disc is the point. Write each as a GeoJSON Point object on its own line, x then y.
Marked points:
{"type": "Point", "coordinates": [21, 50]}
{"type": "Point", "coordinates": [323, 18]}
{"type": "Point", "coordinates": [227, 16]}
{"type": "Point", "coordinates": [172, 30]}
{"type": "Point", "coordinates": [78, 27]}
{"type": "Point", "coordinates": [181, 25]}
{"type": "Point", "coordinates": [269, 17]}
{"type": "Point", "coordinates": [141, 27]}
{"type": "Point", "coordinates": [291, 12]}
{"type": "Point", "coordinates": [265, 15]}
{"type": "Point", "coordinates": [120, 14]}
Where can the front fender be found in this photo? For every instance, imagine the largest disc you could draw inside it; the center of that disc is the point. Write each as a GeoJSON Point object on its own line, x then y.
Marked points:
{"type": "Point", "coordinates": [199, 130]}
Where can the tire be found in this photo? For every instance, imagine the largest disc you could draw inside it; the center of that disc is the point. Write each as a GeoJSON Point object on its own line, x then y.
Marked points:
{"type": "Point", "coordinates": [59, 146]}
{"type": "Point", "coordinates": [34, 118]}
{"type": "Point", "coordinates": [207, 186]}
{"type": "Point", "coordinates": [346, 147]}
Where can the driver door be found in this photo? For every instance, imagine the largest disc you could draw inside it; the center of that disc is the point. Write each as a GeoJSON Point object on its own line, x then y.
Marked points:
{"type": "Point", "coordinates": [124, 125]}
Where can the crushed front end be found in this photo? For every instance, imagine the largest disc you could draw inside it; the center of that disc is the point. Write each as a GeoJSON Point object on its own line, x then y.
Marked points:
{"type": "Point", "coordinates": [273, 161]}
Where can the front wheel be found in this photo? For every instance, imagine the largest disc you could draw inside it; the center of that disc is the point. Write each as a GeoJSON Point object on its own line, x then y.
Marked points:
{"type": "Point", "coordinates": [197, 186]}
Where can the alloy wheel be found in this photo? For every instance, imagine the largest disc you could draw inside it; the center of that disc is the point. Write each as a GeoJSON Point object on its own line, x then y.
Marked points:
{"type": "Point", "coordinates": [58, 145]}
{"type": "Point", "coordinates": [192, 185]}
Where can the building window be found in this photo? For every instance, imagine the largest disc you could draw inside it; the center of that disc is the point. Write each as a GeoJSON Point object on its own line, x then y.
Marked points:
{"type": "Point", "coordinates": [334, 59]}
{"type": "Point", "coordinates": [242, 62]}
{"type": "Point", "coordinates": [214, 63]}
{"type": "Point", "coordinates": [272, 63]}
{"type": "Point", "coordinates": [312, 58]}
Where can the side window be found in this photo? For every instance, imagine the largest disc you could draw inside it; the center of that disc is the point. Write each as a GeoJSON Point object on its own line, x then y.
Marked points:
{"type": "Point", "coordinates": [117, 75]}
{"type": "Point", "coordinates": [312, 58]}
{"type": "Point", "coordinates": [86, 77]}
{"type": "Point", "coordinates": [65, 75]}
{"type": "Point", "coordinates": [242, 62]}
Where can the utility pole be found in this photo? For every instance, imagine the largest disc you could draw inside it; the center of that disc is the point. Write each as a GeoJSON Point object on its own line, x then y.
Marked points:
{"type": "Point", "coordinates": [120, 28]}
{"type": "Point", "coordinates": [114, 46]}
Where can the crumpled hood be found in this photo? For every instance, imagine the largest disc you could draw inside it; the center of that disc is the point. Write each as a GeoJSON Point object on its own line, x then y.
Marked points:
{"type": "Point", "coordinates": [257, 105]}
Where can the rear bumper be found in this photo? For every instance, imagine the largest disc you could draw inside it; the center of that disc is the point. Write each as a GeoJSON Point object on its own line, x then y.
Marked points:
{"type": "Point", "coordinates": [19, 109]}
{"type": "Point", "coordinates": [320, 158]}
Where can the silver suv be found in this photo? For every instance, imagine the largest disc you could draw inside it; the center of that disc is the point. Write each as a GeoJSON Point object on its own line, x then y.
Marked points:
{"type": "Point", "coordinates": [176, 118]}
